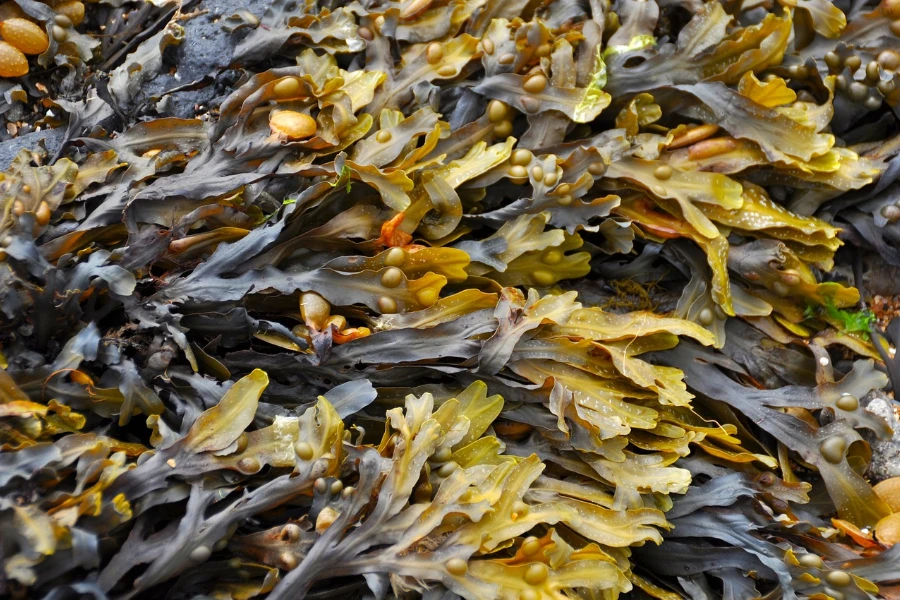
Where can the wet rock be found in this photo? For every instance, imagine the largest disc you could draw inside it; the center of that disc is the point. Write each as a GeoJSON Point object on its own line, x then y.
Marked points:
{"type": "Point", "coordinates": [886, 452]}
{"type": "Point", "coordinates": [50, 139]}
{"type": "Point", "coordinates": [202, 58]}
{"type": "Point", "coordinates": [206, 50]}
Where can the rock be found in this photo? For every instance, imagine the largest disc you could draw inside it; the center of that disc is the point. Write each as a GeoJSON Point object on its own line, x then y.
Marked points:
{"type": "Point", "coordinates": [207, 49]}
{"type": "Point", "coordinates": [880, 278]}
{"type": "Point", "coordinates": [50, 138]}
{"type": "Point", "coordinates": [886, 452]}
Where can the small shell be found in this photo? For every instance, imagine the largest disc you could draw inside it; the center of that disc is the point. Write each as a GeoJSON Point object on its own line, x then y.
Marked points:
{"type": "Point", "coordinates": [12, 62]}
{"type": "Point", "coordinates": [24, 35]}
{"type": "Point", "coordinates": [292, 125]}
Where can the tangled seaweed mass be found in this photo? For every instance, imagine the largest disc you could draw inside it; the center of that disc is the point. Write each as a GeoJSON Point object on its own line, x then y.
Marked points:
{"type": "Point", "coordinates": [482, 299]}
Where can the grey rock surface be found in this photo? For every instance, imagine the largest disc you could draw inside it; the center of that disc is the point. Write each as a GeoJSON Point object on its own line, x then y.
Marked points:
{"type": "Point", "coordinates": [51, 139]}
{"type": "Point", "coordinates": [885, 453]}
{"type": "Point", "coordinates": [205, 52]}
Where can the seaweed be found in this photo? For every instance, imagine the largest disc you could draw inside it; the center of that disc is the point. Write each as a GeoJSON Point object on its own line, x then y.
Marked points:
{"type": "Point", "coordinates": [458, 299]}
